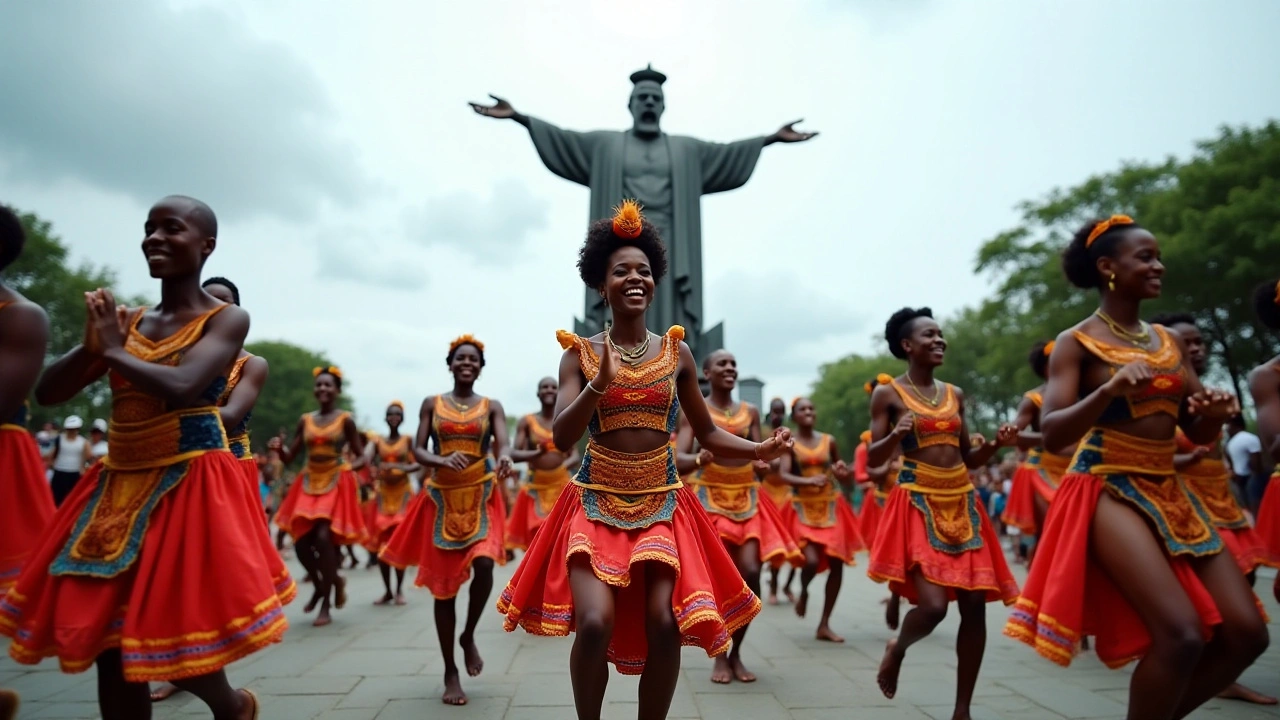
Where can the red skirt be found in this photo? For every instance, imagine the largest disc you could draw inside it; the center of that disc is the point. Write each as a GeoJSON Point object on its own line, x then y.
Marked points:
{"type": "Point", "coordinates": [1268, 520]}
{"type": "Point", "coordinates": [777, 491]}
{"type": "Point", "coordinates": [339, 504]}
{"type": "Point", "coordinates": [1210, 482]}
{"type": "Point", "coordinates": [731, 497]}
{"type": "Point", "coordinates": [616, 535]}
{"type": "Point", "coordinates": [26, 503]}
{"type": "Point", "coordinates": [384, 512]}
{"type": "Point", "coordinates": [1020, 507]}
{"type": "Point", "coordinates": [205, 589]}
{"type": "Point", "coordinates": [534, 501]}
{"type": "Point", "coordinates": [828, 521]}
{"type": "Point", "coordinates": [946, 535]}
{"type": "Point", "coordinates": [1068, 596]}
{"type": "Point", "coordinates": [870, 513]}
{"type": "Point", "coordinates": [457, 518]}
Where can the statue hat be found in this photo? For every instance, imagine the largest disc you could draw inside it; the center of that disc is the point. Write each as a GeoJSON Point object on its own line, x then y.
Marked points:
{"type": "Point", "coordinates": [649, 74]}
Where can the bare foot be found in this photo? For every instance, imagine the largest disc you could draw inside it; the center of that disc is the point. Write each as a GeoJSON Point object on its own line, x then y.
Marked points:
{"type": "Point", "coordinates": [339, 592]}
{"type": "Point", "coordinates": [773, 598]}
{"type": "Point", "coordinates": [826, 634]}
{"type": "Point", "coordinates": [249, 708]}
{"type": "Point", "coordinates": [400, 599]}
{"type": "Point", "coordinates": [8, 705]}
{"type": "Point", "coordinates": [1239, 692]}
{"type": "Point", "coordinates": [163, 691]}
{"type": "Point", "coordinates": [385, 599]}
{"type": "Point", "coordinates": [323, 618]}
{"type": "Point", "coordinates": [740, 671]}
{"type": "Point", "coordinates": [891, 611]}
{"type": "Point", "coordinates": [316, 597]}
{"type": "Point", "coordinates": [802, 605]}
{"type": "Point", "coordinates": [790, 596]}
{"type": "Point", "coordinates": [721, 672]}
{"type": "Point", "coordinates": [471, 655]}
{"type": "Point", "coordinates": [453, 694]}
{"type": "Point", "coordinates": [890, 666]}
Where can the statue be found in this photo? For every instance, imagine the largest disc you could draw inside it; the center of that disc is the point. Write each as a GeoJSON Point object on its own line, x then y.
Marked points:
{"type": "Point", "coordinates": [668, 175]}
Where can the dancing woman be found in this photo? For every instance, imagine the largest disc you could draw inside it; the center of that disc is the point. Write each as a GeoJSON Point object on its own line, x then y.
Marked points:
{"type": "Point", "coordinates": [126, 561]}
{"type": "Point", "coordinates": [935, 543]}
{"type": "Point", "coordinates": [753, 532]}
{"type": "Point", "coordinates": [391, 460]}
{"type": "Point", "coordinates": [548, 469]}
{"type": "Point", "coordinates": [322, 510]}
{"type": "Point", "coordinates": [1264, 386]}
{"type": "Point", "coordinates": [818, 516]}
{"type": "Point", "coordinates": [454, 527]}
{"type": "Point", "coordinates": [646, 571]}
{"type": "Point", "coordinates": [26, 503]}
{"type": "Point", "coordinates": [1127, 555]}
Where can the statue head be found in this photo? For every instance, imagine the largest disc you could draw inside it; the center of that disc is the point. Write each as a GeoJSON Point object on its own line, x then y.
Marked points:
{"type": "Point", "coordinates": [646, 102]}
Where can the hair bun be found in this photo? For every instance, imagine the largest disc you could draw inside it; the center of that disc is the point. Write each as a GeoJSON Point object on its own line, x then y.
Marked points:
{"type": "Point", "coordinates": [627, 220]}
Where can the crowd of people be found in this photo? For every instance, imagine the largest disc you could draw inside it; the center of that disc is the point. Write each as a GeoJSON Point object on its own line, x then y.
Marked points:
{"type": "Point", "coordinates": [1134, 515]}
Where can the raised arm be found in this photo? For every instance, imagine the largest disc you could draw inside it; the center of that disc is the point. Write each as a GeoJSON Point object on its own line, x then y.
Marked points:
{"type": "Point", "coordinates": [1028, 414]}
{"type": "Point", "coordinates": [567, 153]}
{"type": "Point", "coordinates": [1065, 418]}
{"type": "Point", "coordinates": [72, 372]}
{"type": "Point", "coordinates": [289, 451]}
{"type": "Point", "coordinates": [722, 444]}
{"type": "Point", "coordinates": [978, 457]}
{"type": "Point", "coordinates": [253, 377]}
{"type": "Point", "coordinates": [577, 398]}
{"type": "Point", "coordinates": [886, 436]}
{"type": "Point", "coordinates": [22, 348]}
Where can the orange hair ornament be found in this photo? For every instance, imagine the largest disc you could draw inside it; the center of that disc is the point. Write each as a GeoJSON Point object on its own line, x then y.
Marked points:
{"type": "Point", "coordinates": [329, 370]}
{"type": "Point", "coordinates": [627, 220]}
{"type": "Point", "coordinates": [884, 378]}
{"type": "Point", "coordinates": [795, 401]}
{"type": "Point", "coordinates": [1048, 348]}
{"type": "Point", "coordinates": [466, 339]}
{"type": "Point", "coordinates": [1104, 225]}
{"type": "Point", "coordinates": [865, 437]}
{"type": "Point", "coordinates": [396, 404]}
{"type": "Point", "coordinates": [868, 387]}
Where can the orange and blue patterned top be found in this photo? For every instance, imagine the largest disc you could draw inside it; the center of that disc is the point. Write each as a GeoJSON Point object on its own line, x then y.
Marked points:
{"type": "Point", "coordinates": [238, 436]}
{"type": "Point", "coordinates": [735, 422]}
{"type": "Point", "coordinates": [934, 424]}
{"type": "Point", "coordinates": [1163, 395]}
{"type": "Point", "coordinates": [539, 435]}
{"type": "Point", "coordinates": [641, 397]}
{"type": "Point", "coordinates": [455, 428]}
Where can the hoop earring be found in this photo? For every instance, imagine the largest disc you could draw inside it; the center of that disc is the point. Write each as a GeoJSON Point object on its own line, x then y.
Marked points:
{"type": "Point", "coordinates": [1111, 284]}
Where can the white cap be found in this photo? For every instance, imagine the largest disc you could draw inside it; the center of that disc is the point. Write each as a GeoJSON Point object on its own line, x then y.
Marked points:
{"type": "Point", "coordinates": [73, 422]}
{"type": "Point", "coordinates": [100, 425]}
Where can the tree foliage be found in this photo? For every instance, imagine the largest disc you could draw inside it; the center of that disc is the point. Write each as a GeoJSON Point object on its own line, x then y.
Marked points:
{"type": "Point", "coordinates": [844, 407]}
{"type": "Point", "coordinates": [45, 275]}
{"type": "Point", "coordinates": [288, 392]}
{"type": "Point", "coordinates": [1218, 221]}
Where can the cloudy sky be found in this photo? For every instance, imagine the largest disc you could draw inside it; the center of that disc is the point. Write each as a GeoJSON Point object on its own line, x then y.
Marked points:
{"type": "Point", "coordinates": [367, 212]}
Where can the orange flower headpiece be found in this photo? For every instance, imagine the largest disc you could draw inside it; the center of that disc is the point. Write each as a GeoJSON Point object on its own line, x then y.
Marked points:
{"type": "Point", "coordinates": [865, 437]}
{"type": "Point", "coordinates": [396, 404]}
{"type": "Point", "coordinates": [868, 387]}
{"type": "Point", "coordinates": [627, 220]}
{"type": "Point", "coordinates": [1104, 225]}
{"type": "Point", "coordinates": [795, 401]}
{"type": "Point", "coordinates": [465, 339]}
{"type": "Point", "coordinates": [331, 370]}
{"type": "Point", "coordinates": [1048, 348]}
{"type": "Point", "coordinates": [884, 378]}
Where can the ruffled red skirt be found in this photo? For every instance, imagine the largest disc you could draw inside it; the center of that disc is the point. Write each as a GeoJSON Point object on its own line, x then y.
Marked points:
{"type": "Point", "coordinates": [1020, 507]}
{"type": "Point", "coordinates": [731, 497]}
{"type": "Point", "coordinates": [1268, 521]}
{"type": "Point", "coordinates": [947, 537]}
{"type": "Point", "coordinates": [710, 600]}
{"type": "Point", "coordinates": [534, 501]}
{"type": "Point", "coordinates": [446, 527]}
{"type": "Point", "coordinates": [340, 505]}
{"type": "Point", "coordinates": [870, 513]}
{"type": "Point", "coordinates": [26, 502]}
{"type": "Point", "coordinates": [206, 587]}
{"type": "Point", "coordinates": [1210, 482]}
{"type": "Point", "coordinates": [383, 513]}
{"type": "Point", "coordinates": [831, 524]}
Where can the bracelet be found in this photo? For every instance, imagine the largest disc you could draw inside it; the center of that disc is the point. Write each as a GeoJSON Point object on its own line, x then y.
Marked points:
{"type": "Point", "coordinates": [758, 446]}
{"type": "Point", "coordinates": [697, 460]}
{"type": "Point", "coordinates": [592, 387]}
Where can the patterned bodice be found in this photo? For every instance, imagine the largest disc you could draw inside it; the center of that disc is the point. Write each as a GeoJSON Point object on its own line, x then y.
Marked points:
{"type": "Point", "coordinates": [539, 435]}
{"type": "Point", "coordinates": [233, 378]}
{"type": "Point", "coordinates": [811, 461]}
{"type": "Point", "coordinates": [1163, 395]}
{"type": "Point", "coordinates": [934, 425]}
{"type": "Point", "coordinates": [131, 405]}
{"type": "Point", "coordinates": [325, 443]}
{"type": "Point", "coordinates": [735, 422]}
{"type": "Point", "coordinates": [456, 429]}
{"type": "Point", "coordinates": [641, 397]}
{"type": "Point", "coordinates": [398, 452]}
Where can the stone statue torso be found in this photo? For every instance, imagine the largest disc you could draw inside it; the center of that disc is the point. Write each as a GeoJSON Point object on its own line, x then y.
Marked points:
{"type": "Point", "coordinates": [646, 177]}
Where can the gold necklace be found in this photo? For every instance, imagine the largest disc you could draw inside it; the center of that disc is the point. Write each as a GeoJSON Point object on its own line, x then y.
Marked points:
{"type": "Point", "coordinates": [937, 391]}
{"type": "Point", "coordinates": [728, 412]}
{"type": "Point", "coordinates": [633, 356]}
{"type": "Point", "coordinates": [1141, 338]}
{"type": "Point", "coordinates": [457, 403]}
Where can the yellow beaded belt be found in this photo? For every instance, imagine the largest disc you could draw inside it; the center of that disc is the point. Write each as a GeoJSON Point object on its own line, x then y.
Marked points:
{"type": "Point", "coordinates": [1109, 452]}
{"type": "Point", "coordinates": [620, 473]}
{"type": "Point", "coordinates": [928, 479]}
{"type": "Point", "coordinates": [239, 446]}
{"type": "Point", "coordinates": [726, 476]}
{"type": "Point", "coordinates": [164, 440]}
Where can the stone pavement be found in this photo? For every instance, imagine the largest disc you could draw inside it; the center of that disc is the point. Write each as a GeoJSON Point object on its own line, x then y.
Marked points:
{"type": "Point", "coordinates": [382, 663]}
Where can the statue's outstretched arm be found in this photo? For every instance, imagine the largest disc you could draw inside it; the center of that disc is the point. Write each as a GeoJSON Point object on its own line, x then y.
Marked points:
{"type": "Point", "coordinates": [500, 109]}
{"type": "Point", "coordinates": [786, 134]}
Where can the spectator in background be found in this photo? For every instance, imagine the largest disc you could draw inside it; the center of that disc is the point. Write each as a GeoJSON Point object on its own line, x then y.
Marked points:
{"type": "Point", "coordinates": [97, 441]}
{"type": "Point", "coordinates": [44, 440]}
{"type": "Point", "coordinates": [67, 457]}
{"type": "Point", "coordinates": [1244, 452]}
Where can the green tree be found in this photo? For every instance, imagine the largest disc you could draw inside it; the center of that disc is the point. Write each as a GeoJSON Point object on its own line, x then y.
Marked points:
{"type": "Point", "coordinates": [839, 396]}
{"type": "Point", "coordinates": [288, 392]}
{"type": "Point", "coordinates": [45, 275]}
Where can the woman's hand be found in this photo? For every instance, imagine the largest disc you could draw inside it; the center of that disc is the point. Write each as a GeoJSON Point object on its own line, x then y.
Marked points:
{"type": "Point", "coordinates": [1132, 379]}
{"type": "Point", "coordinates": [1213, 404]}
{"type": "Point", "coordinates": [506, 470]}
{"type": "Point", "coordinates": [705, 458]}
{"type": "Point", "coordinates": [775, 446]}
{"type": "Point", "coordinates": [1007, 435]}
{"type": "Point", "coordinates": [104, 322]}
{"type": "Point", "coordinates": [457, 461]}
{"type": "Point", "coordinates": [906, 424]}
